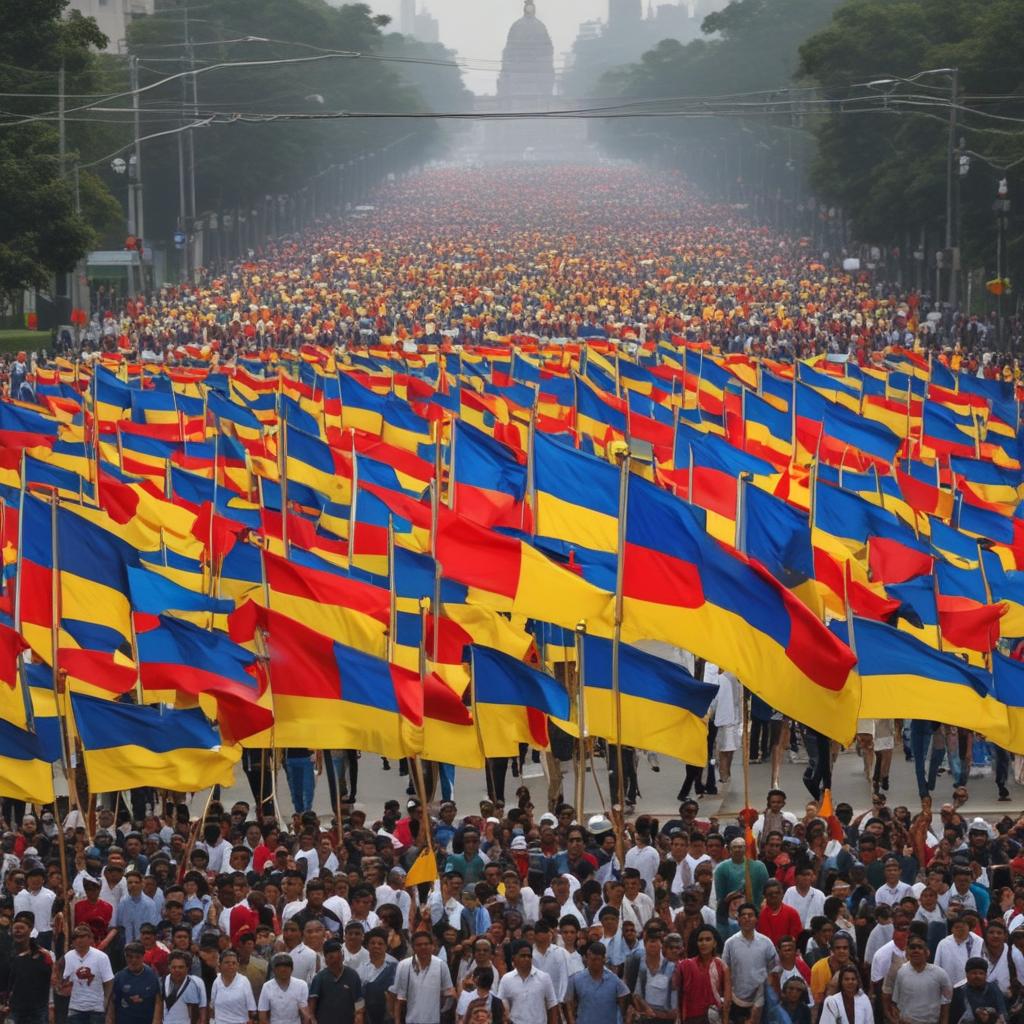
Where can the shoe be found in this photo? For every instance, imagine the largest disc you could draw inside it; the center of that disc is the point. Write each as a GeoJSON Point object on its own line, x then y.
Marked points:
{"type": "Point", "coordinates": [712, 790]}
{"type": "Point", "coordinates": [386, 765]}
{"type": "Point", "coordinates": [410, 790]}
{"type": "Point", "coordinates": [1004, 795]}
{"type": "Point", "coordinates": [885, 783]}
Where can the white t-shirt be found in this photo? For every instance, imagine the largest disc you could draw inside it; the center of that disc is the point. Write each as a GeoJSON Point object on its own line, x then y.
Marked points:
{"type": "Point", "coordinates": [284, 1004]}
{"type": "Point", "coordinates": [466, 998]}
{"type": "Point", "coordinates": [232, 1004]}
{"type": "Point", "coordinates": [811, 905]}
{"type": "Point", "coordinates": [88, 974]}
{"type": "Point", "coordinates": [192, 993]}
{"type": "Point", "coordinates": [338, 905]}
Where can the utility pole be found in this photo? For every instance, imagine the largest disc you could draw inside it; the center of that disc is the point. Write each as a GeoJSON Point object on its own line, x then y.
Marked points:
{"type": "Point", "coordinates": [193, 114]}
{"type": "Point", "coordinates": [954, 256]}
{"type": "Point", "coordinates": [135, 179]}
{"type": "Point", "coordinates": [62, 133]}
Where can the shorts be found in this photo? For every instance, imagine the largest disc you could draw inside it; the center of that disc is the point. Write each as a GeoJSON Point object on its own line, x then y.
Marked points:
{"type": "Point", "coordinates": [866, 727]}
{"type": "Point", "coordinates": [728, 738]}
{"type": "Point", "coordinates": [884, 734]}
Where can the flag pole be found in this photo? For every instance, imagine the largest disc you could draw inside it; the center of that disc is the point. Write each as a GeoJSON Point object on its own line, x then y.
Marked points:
{"type": "Point", "coordinates": [581, 745]}
{"type": "Point", "coordinates": [617, 631]}
{"type": "Point", "coordinates": [59, 678]}
{"type": "Point", "coordinates": [392, 592]}
{"type": "Point", "coordinates": [747, 882]}
{"type": "Point", "coordinates": [29, 716]}
{"type": "Point", "coordinates": [282, 445]}
{"type": "Point", "coordinates": [415, 763]}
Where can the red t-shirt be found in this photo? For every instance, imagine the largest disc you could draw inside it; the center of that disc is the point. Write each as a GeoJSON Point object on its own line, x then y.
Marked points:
{"type": "Point", "coordinates": [786, 921]}
{"type": "Point", "coordinates": [96, 915]}
{"type": "Point", "coordinates": [157, 958]}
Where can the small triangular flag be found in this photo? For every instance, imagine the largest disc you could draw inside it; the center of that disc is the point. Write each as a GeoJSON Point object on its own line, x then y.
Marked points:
{"type": "Point", "coordinates": [424, 869]}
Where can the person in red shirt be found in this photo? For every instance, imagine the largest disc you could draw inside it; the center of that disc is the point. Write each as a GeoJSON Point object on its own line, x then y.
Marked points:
{"type": "Point", "coordinates": [156, 953]}
{"type": "Point", "coordinates": [776, 918]}
{"type": "Point", "coordinates": [96, 913]}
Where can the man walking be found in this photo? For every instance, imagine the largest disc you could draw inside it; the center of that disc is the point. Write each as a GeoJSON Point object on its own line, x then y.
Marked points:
{"type": "Point", "coordinates": [596, 995]}
{"type": "Point", "coordinates": [526, 992]}
{"type": "Point", "coordinates": [750, 957]}
{"type": "Point", "coordinates": [423, 984]}
{"type": "Point", "coordinates": [88, 979]}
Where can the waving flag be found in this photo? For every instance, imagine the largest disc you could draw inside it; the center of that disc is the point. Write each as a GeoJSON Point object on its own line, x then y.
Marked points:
{"type": "Point", "coordinates": [663, 706]}
{"type": "Point", "coordinates": [125, 745]}
{"type": "Point", "coordinates": [512, 702]}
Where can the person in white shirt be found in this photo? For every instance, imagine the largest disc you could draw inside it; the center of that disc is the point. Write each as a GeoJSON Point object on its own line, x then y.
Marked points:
{"type": "Point", "coordinates": [527, 993]}
{"type": "Point", "coordinates": [183, 994]}
{"type": "Point", "coordinates": [807, 901]}
{"type": "Point", "coordinates": [953, 952]}
{"type": "Point", "coordinates": [37, 899]}
{"type": "Point", "coordinates": [231, 998]}
{"type": "Point", "coordinates": [520, 898]}
{"type": "Point", "coordinates": [88, 979]}
{"type": "Point", "coordinates": [307, 956]}
{"type": "Point", "coordinates": [283, 999]}
{"type": "Point", "coordinates": [422, 984]}
{"type": "Point", "coordinates": [354, 952]}
{"type": "Point", "coordinates": [393, 891]}
{"type": "Point", "coordinates": [216, 847]}
{"type": "Point", "coordinates": [892, 890]}
{"type": "Point", "coordinates": [836, 1008]}
{"type": "Point", "coordinates": [637, 906]}
{"type": "Point", "coordinates": [551, 959]}
{"type": "Point", "coordinates": [679, 845]}
{"type": "Point", "coordinates": [643, 856]}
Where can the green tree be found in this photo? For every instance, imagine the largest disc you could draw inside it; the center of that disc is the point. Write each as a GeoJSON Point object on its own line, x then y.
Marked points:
{"type": "Point", "coordinates": [240, 163]}
{"type": "Point", "coordinates": [888, 169]}
{"type": "Point", "coordinates": [40, 232]}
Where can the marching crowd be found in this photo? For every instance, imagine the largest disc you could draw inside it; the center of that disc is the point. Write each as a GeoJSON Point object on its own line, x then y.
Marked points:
{"type": "Point", "coordinates": [522, 917]}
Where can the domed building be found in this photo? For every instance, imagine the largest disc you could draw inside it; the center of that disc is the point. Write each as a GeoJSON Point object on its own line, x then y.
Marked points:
{"type": "Point", "coordinates": [526, 84]}
{"type": "Point", "coordinates": [527, 79]}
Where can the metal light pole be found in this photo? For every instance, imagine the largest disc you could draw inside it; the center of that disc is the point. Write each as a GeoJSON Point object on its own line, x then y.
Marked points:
{"type": "Point", "coordinates": [1002, 211]}
{"type": "Point", "coordinates": [951, 242]}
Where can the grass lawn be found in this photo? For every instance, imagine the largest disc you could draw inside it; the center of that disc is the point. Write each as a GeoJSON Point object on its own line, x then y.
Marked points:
{"type": "Point", "coordinates": [16, 339]}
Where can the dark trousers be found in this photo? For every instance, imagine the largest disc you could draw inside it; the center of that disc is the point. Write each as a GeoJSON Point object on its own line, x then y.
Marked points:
{"type": "Point", "coordinates": [630, 784]}
{"type": "Point", "coordinates": [818, 773]}
{"type": "Point", "coordinates": [496, 769]}
{"type": "Point", "coordinates": [1001, 759]}
{"type": "Point", "coordinates": [926, 769]}
{"type": "Point", "coordinates": [349, 784]}
{"type": "Point", "coordinates": [760, 739]}
{"type": "Point", "coordinates": [257, 767]}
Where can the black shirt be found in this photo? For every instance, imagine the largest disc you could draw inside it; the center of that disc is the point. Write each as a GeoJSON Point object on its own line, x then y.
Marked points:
{"type": "Point", "coordinates": [29, 980]}
{"type": "Point", "coordinates": [337, 998]}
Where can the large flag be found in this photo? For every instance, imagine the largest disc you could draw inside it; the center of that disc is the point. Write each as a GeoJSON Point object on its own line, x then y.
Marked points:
{"type": "Point", "coordinates": [681, 586]}
{"type": "Point", "coordinates": [25, 771]}
{"type": "Point", "coordinates": [663, 706]}
{"type": "Point", "coordinates": [488, 481]}
{"type": "Point", "coordinates": [512, 703]}
{"type": "Point", "coordinates": [346, 698]}
{"type": "Point", "coordinates": [177, 655]}
{"type": "Point", "coordinates": [125, 745]}
{"type": "Point", "coordinates": [902, 677]}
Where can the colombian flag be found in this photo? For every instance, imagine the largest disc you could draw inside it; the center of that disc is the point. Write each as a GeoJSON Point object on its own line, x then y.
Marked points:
{"type": "Point", "coordinates": [663, 706]}
{"type": "Point", "coordinates": [125, 745]}
{"type": "Point", "coordinates": [683, 587]}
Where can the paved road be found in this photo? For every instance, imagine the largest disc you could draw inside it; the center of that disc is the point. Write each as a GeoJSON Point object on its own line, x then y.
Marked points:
{"type": "Point", "coordinates": [659, 790]}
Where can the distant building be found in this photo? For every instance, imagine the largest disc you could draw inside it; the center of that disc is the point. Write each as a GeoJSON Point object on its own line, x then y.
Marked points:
{"type": "Point", "coordinates": [426, 27]}
{"type": "Point", "coordinates": [114, 17]}
{"type": "Point", "coordinates": [407, 18]}
{"type": "Point", "coordinates": [623, 14]}
{"type": "Point", "coordinates": [527, 84]}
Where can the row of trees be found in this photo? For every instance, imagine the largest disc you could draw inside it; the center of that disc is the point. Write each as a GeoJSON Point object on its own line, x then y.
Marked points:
{"type": "Point", "coordinates": [806, 161]}
{"type": "Point", "coordinates": [240, 169]}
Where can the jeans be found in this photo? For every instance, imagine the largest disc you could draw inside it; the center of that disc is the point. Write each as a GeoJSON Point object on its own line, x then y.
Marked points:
{"type": "Point", "coordinates": [921, 732]}
{"type": "Point", "coordinates": [299, 771]}
{"type": "Point", "coordinates": [37, 1015]}
{"type": "Point", "coordinates": [447, 772]}
{"type": "Point", "coordinates": [84, 1017]}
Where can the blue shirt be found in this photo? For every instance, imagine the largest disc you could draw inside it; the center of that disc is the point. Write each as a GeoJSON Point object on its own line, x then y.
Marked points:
{"type": "Point", "coordinates": [134, 995]}
{"type": "Point", "coordinates": [597, 1002]}
{"type": "Point", "coordinates": [131, 914]}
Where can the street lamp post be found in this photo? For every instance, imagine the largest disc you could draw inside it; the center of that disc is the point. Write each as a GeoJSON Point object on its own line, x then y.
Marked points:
{"type": "Point", "coordinates": [951, 242]}
{"type": "Point", "coordinates": [120, 166]}
{"type": "Point", "coordinates": [1002, 211]}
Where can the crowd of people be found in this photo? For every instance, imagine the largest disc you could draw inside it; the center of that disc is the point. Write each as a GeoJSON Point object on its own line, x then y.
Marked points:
{"type": "Point", "coordinates": [529, 918]}
{"type": "Point", "coordinates": [148, 916]}
{"type": "Point", "coordinates": [449, 257]}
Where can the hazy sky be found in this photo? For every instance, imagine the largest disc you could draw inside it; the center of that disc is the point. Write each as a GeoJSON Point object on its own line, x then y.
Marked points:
{"type": "Point", "coordinates": [477, 28]}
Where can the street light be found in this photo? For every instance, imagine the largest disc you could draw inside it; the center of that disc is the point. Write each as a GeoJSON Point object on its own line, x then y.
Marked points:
{"type": "Point", "coordinates": [954, 78]}
{"type": "Point", "coordinates": [119, 166]}
{"type": "Point", "coordinates": [1002, 211]}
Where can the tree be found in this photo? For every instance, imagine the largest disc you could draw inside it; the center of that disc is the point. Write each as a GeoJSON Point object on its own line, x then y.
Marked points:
{"type": "Point", "coordinates": [40, 232]}
{"type": "Point", "coordinates": [888, 169]}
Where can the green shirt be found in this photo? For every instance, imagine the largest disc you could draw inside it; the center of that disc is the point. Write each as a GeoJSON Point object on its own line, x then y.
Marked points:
{"type": "Point", "coordinates": [730, 877]}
